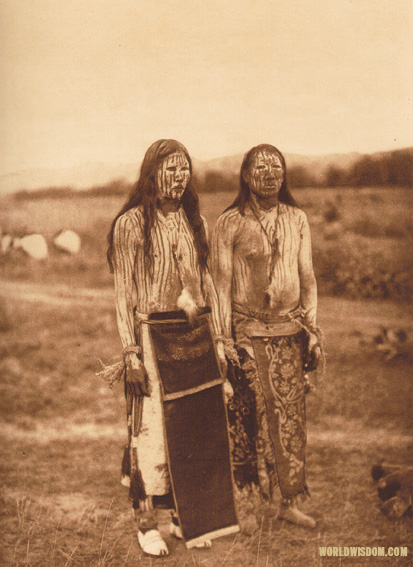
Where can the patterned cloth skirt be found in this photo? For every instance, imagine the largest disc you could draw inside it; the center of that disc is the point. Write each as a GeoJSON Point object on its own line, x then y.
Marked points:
{"type": "Point", "coordinates": [267, 416]}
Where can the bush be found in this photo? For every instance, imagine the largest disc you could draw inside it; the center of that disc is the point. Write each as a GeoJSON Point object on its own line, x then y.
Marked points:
{"type": "Point", "coordinates": [348, 272]}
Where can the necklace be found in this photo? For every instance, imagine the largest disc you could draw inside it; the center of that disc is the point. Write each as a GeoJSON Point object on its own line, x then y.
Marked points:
{"type": "Point", "coordinates": [273, 242]}
{"type": "Point", "coordinates": [174, 235]}
{"type": "Point", "coordinates": [176, 253]}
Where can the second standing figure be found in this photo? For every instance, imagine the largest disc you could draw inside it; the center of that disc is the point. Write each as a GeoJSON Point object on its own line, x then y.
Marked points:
{"type": "Point", "coordinates": [263, 272]}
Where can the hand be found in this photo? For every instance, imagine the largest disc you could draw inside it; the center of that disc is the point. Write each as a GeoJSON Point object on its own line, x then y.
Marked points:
{"type": "Point", "coordinates": [314, 353]}
{"type": "Point", "coordinates": [136, 376]}
{"type": "Point", "coordinates": [312, 341]}
{"type": "Point", "coordinates": [223, 365]}
{"type": "Point", "coordinates": [228, 391]}
{"type": "Point", "coordinates": [314, 346]}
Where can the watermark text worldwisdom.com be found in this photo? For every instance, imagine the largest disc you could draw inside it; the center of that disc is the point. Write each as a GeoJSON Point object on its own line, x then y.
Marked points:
{"type": "Point", "coordinates": [354, 551]}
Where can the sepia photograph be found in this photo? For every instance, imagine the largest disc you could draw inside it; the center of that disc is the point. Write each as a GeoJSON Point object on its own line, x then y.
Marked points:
{"type": "Point", "coordinates": [206, 277]}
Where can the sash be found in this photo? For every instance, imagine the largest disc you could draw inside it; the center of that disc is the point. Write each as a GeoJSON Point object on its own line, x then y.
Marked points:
{"type": "Point", "coordinates": [195, 424]}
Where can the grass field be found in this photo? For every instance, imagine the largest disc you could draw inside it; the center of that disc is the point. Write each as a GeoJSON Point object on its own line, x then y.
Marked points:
{"type": "Point", "coordinates": [63, 430]}
{"type": "Point", "coordinates": [362, 238]}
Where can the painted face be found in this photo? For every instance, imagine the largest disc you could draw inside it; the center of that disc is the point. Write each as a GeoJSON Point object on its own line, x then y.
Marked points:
{"type": "Point", "coordinates": [265, 174]}
{"type": "Point", "coordinates": [173, 176]}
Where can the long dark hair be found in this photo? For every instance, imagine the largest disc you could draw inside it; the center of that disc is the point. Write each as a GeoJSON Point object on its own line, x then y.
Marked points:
{"type": "Point", "coordinates": [244, 194]}
{"type": "Point", "coordinates": [144, 193]}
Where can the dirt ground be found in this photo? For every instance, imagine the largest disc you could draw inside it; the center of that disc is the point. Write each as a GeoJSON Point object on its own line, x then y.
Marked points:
{"type": "Point", "coordinates": [63, 433]}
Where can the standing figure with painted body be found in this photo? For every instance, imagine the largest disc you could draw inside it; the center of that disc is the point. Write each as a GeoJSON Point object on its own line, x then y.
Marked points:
{"type": "Point", "coordinates": [167, 314]}
{"type": "Point", "coordinates": [263, 273]}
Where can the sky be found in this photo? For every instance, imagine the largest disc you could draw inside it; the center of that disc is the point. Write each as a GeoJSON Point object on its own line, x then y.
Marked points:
{"type": "Point", "coordinates": [99, 81]}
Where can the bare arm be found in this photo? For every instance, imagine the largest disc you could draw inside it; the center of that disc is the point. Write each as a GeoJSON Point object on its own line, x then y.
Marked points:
{"type": "Point", "coordinates": [222, 267]}
{"type": "Point", "coordinates": [210, 293]}
{"type": "Point", "coordinates": [126, 238]}
{"type": "Point", "coordinates": [308, 284]}
{"type": "Point", "coordinates": [212, 300]}
{"type": "Point", "coordinates": [125, 242]}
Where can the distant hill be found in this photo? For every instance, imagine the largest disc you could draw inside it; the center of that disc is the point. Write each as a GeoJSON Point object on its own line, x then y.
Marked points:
{"type": "Point", "coordinates": [317, 165]}
{"type": "Point", "coordinates": [78, 177]}
{"type": "Point", "coordinates": [98, 174]}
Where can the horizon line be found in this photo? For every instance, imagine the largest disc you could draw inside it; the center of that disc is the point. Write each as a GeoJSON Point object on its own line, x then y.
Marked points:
{"type": "Point", "coordinates": [206, 160]}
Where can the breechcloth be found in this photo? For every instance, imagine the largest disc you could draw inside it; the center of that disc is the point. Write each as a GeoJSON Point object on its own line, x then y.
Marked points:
{"type": "Point", "coordinates": [267, 415]}
{"type": "Point", "coordinates": [282, 420]}
{"type": "Point", "coordinates": [194, 424]}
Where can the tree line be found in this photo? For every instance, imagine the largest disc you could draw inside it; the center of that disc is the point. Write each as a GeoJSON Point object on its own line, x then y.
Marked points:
{"type": "Point", "coordinates": [390, 168]}
{"type": "Point", "coordinates": [384, 169]}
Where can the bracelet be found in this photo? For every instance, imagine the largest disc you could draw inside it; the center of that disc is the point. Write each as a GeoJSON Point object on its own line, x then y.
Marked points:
{"type": "Point", "coordinates": [229, 348]}
{"type": "Point", "coordinates": [132, 349]}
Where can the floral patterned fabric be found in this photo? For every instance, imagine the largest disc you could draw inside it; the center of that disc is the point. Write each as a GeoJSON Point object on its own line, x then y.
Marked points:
{"type": "Point", "coordinates": [241, 418]}
{"type": "Point", "coordinates": [281, 379]}
{"type": "Point", "coordinates": [272, 396]}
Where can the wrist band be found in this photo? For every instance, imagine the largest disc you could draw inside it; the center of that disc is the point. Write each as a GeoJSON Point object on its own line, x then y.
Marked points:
{"type": "Point", "coordinates": [132, 349]}
{"type": "Point", "coordinates": [229, 349]}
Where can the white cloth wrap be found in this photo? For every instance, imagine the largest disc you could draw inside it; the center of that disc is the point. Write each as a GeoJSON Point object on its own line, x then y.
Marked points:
{"type": "Point", "coordinates": [150, 442]}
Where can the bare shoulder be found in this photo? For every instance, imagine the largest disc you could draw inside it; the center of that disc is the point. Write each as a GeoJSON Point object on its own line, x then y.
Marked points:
{"type": "Point", "coordinates": [133, 218]}
{"type": "Point", "coordinates": [295, 213]}
{"type": "Point", "coordinates": [134, 212]}
{"type": "Point", "coordinates": [230, 219]}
